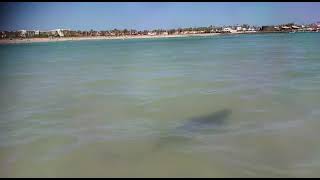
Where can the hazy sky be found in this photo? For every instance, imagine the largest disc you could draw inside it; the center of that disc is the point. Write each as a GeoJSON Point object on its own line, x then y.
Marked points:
{"type": "Point", "coordinates": [106, 15]}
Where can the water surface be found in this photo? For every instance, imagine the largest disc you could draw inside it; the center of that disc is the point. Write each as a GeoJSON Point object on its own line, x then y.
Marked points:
{"type": "Point", "coordinates": [101, 108]}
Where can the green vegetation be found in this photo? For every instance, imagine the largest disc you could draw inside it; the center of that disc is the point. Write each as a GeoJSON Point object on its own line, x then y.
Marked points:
{"type": "Point", "coordinates": [189, 30]}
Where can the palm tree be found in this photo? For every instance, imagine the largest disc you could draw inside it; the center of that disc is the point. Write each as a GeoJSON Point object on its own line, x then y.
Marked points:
{"type": "Point", "coordinates": [125, 32]}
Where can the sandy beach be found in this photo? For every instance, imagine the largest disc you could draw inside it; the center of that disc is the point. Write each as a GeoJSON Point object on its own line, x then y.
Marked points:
{"type": "Point", "coordinates": [34, 40]}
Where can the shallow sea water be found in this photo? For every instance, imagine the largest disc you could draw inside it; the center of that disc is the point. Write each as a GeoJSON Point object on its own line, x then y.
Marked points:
{"type": "Point", "coordinates": [113, 108]}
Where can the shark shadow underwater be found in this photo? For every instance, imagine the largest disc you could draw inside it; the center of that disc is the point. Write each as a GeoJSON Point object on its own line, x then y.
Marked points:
{"type": "Point", "coordinates": [210, 124]}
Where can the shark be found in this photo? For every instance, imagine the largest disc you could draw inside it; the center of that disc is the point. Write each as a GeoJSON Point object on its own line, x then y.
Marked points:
{"type": "Point", "coordinates": [210, 123]}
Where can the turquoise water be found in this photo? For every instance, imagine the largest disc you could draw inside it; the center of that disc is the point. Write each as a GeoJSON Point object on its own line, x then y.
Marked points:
{"type": "Point", "coordinates": [111, 108]}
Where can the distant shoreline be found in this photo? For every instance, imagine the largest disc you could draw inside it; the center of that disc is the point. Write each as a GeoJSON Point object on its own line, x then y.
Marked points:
{"type": "Point", "coordinates": [34, 40]}
{"type": "Point", "coordinates": [60, 39]}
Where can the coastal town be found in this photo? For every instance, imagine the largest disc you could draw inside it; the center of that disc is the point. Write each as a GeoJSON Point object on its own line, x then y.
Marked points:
{"type": "Point", "coordinates": [7, 36]}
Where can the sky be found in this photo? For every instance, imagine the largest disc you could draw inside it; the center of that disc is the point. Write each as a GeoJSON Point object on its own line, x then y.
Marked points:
{"type": "Point", "coordinates": [152, 15]}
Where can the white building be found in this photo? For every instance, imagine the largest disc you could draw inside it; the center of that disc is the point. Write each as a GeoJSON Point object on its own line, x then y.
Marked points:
{"type": "Point", "coordinates": [229, 30]}
{"type": "Point", "coordinates": [309, 29]}
{"type": "Point", "coordinates": [152, 33]}
{"type": "Point", "coordinates": [23, 32]}
{"type": "Point", "coordinates": [285, 27]}
{"type": "Point", "coordinates": [59, 31]}
{"type": "Point", "coordinates": [165, 33]}
{"type": "Point", "coordinates": [295, 27]}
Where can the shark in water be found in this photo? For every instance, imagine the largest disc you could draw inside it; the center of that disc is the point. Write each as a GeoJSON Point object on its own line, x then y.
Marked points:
{"type": "Point", "coordinates": [212, 123]}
